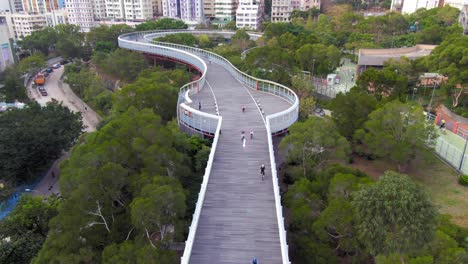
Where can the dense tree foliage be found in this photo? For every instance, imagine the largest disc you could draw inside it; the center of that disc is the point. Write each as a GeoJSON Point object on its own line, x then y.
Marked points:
{"type": "Point", "coordinates": [121, 63]}
{"type": "Point", "coordinates": [32, 63]}
{"type": "Point", "coordinates": [87, 85]}
{"type": "Point", "coordinates": [313, 143]}
{"type": "Point", "coordinates": [164, 23]}
{"type": "Point", "coordinates": [13, 86]}
{"type": "Point", "coordinates": [117, 186]}
{"type": "Point", "coordinates": [397, 131]}
{"type": "Point", "coordinates": [181, 38]}
{"type": "Point", "coordinates": [386, 83]}
{"type": "Point", "coordinates": [33, 136]}
{"type": "Point", "coordinates": [25, 229]}
{"type": "Point", "coordinates": [351, 110]}
{"type": "Point", "coordinates": [394, 216]}
{"type": "Point", "coordinates": [156, 90]}
{"type": "Point", "coordinates": [105, 38]}
{"type": "Point", "coordinates": [65, 39]}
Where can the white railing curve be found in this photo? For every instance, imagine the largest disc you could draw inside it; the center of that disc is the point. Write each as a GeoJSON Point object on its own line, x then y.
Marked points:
{"type": "Point", "coordinates": [203, 122]}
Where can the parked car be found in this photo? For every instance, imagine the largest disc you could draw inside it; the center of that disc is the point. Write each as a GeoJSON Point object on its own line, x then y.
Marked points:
{"type": "Point", "coordinates": [319, 112]}
{"type": "Point", "coordinates": [45, 73]}
{"type": "Point", "coordinates": [56, 66]}
{"type": "Point", "coordinates": [43, 92]}
{"type": "Point", "coordinates": [49, 70]}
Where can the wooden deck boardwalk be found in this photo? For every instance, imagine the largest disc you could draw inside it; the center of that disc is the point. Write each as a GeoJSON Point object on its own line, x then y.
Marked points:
{"type": "Point", "coordinates": [238, 218]}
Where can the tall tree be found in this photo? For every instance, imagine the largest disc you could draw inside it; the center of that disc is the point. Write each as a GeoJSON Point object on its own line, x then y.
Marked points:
{"type": "Point", "coordinates": [394, 215]}
{"type": "Point", "coordinates": [24, 230]}
{"type": "Point", "coordinates": [33, 136]}
{"type": "Point", "coordinates": [351, 110]}
{"type": "Point", "coordinates": [398, 131]}
{"type": "Point", "coordinates": [313, 143]}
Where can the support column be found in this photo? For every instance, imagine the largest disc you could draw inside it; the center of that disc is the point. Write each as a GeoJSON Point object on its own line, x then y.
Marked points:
{"type": "Point", "coordinates": [256, 85]}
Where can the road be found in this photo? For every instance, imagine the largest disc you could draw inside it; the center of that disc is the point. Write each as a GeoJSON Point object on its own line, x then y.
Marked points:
{"type": "Point", "coordinates": [61, 92]}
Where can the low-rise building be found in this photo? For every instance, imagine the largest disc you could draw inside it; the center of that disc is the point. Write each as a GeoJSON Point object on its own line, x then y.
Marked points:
{"type": "Point", "coordinates": [376, 57]}
{"type": "Point", "coordinates": [249, 14]}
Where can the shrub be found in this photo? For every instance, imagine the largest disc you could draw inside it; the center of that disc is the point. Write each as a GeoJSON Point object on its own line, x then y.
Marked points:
{"type": "Point", "coordinates": [463, 180]}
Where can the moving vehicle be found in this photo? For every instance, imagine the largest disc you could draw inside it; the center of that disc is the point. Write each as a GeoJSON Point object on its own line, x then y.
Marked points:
{"type": "Point", "coordinates": [42, 91]}
{"type": "Point", "coordinates": [40, 79]}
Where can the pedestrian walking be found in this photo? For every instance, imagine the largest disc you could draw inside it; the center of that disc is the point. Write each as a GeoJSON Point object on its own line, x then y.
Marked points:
{"type": "Point", "coordinates": [199, 105]}
{"type": "Point", "coordinates": [251, 134]}
{"type": "Point", "coordinates": [442, 124]}
{"type": "Point", "coordinates": [243, 108]}
{"type": "Point", "coordinates": [262, 171]}
{"type": "Point", "coordinates": [242, 135]}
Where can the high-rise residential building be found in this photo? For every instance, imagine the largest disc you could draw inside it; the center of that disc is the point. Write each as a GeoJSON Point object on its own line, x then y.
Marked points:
{"type": "Point", "coordinates": [99, 8]}
{"type": "Point", "coordinates": [281, 10]}
{"type": "Point", "coordinates": [61, 4]}
{"type": "Point", "coordinates": [56, 17]}
{"type": "Point", "coordinates": [464, 19]}
{"type": "Point", "coordinates": [6, 54]}
{"type": "Point", "coordinates": [410, 6]}
{"type": "Point", "coordinates": [225, 10]}
{"type": "Point", "coordinates": [21, 25]}
{"type": "Point", "coordinates": [138, 10]}
{"type": "Point", "coordinates": [249, 14]}
{"type": "Point", "coordinates": [81, 13]}
{"type": "Point", "coordinates": [209, 8]}
{"type": "Point", "coordinates": [305, 5]}
{"type": "Point", "coordinates": [187, 10]}
{"type": "Point", "coordinates": [39, 6]}
{"type": "Point", "coordinates": [15, 6]}
{"type": "Point", "coordinates": [157, 8]}
{"type": "Point", "coordinates": [115, 9]}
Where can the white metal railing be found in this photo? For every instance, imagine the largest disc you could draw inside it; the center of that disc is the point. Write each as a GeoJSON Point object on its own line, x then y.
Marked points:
{"type": "Point", "coordinates": [205, 122]}
{"type": "Point", "coordinates": [279, 121]}
{"type": "Point", "coordinates": [201, 198]}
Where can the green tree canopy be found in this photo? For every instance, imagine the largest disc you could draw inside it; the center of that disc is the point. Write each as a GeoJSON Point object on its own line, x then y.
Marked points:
{"type": "Point", "coordinates": [394, 215]}
{"type": "Point", "coordinates": [351, 110]}
{"type": "Point", "coordinates": [163, 23]}
{"type": "Point", "coordinates": [397, 131]}
{"type": "Point", "coordinates": [33, 136]}
{"type": "Point", "coordinates": [313, 143]}
{"type": "Point", "coordinates": [24, 230]}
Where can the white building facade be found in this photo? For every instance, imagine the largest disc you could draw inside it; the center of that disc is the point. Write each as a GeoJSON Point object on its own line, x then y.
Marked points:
{"type": "Point", "coordinates": [281, 10]}
{"type": "Point", "coordinates": [190, 11]}
{"type": "Point", "coordinates": [81, 13]}
{"type": "Point", "coordinates": [249, 14]}
{"type": "Point", "coordinates": [225, 10]}
{"type": "Point", "coordinates": [22, 24]}
{"type": "Point", "coordinates": [6, 53]}
{"type": "Point", "coordinates": [56, 17]}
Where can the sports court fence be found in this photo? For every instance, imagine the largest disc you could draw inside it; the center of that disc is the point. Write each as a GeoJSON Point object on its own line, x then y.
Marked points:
{"type": "Point", "coordinates": [455, 155]}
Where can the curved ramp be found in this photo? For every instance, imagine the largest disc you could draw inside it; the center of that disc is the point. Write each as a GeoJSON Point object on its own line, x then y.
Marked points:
{"type": "Point", "coordinates": [238, 215]}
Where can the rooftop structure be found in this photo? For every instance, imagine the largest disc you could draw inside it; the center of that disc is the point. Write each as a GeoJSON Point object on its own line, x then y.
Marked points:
{"type": "Point", "coordinates": [377, 57]}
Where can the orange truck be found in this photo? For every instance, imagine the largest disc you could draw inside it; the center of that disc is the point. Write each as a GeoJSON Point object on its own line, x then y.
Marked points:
{"type": "Point", "coordinates": [40, 79]}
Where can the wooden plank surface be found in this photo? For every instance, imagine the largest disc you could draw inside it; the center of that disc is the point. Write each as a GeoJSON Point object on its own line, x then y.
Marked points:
{"type": "Point", "coordinates": [238, 219]}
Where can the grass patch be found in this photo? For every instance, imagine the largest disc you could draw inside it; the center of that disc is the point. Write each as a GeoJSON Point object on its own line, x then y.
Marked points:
{"type": "Point", "coordinates": [439, 179]}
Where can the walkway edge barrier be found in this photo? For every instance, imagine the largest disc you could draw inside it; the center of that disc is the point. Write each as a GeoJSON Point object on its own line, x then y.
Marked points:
{"type": "Point", "coordinates": [204, 122]}
{"type": "Point", "coordinates": [201, 198]}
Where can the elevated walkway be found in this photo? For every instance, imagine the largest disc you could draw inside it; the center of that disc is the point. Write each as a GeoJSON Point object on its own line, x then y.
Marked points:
{"type": "Point", "coordinates": [238, 215]}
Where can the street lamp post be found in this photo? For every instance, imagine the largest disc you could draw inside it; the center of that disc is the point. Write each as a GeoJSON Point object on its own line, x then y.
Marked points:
{"type": "Point", "coordinates": [432, 96]}
{"type": "Point", "coordinates": [415, 89]}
